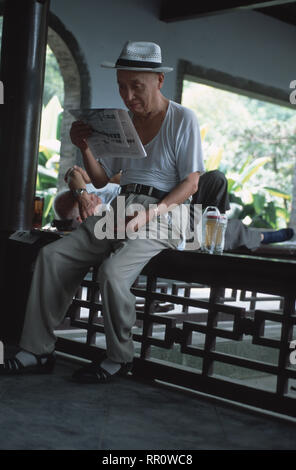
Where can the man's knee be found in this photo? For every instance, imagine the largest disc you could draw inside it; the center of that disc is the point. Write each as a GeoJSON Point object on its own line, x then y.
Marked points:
{"type": "Point", "coordinates": [214, 177]}
{"type": "Point", "coordinates": [51, 249]}
{"type": "Point", "coordinates": [46, 251]}
{"type": "Point", "coordinates": [210, 184]}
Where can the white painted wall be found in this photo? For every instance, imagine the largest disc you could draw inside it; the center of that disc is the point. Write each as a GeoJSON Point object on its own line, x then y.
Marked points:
{"type": "Point", "coordinates": [246, 44]}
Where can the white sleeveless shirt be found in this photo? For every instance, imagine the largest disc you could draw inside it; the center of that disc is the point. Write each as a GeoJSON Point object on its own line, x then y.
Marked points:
{"type": "Point", "coordinates": [173, 154]}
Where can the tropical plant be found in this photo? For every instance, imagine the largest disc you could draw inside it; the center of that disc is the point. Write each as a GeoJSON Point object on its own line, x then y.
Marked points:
{"type": "Point", "coordinates": [49, 148]}
{"type": "Point", "coordinates": [49, 156]}
{"type": "Point", "coordinates": [253, 143]}
{"type": "Point", "coordinates": [250, 202]}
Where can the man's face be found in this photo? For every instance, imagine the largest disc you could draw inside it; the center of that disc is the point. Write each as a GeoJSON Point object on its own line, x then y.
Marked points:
{"type": "Point", "coordinates": [139, 90]}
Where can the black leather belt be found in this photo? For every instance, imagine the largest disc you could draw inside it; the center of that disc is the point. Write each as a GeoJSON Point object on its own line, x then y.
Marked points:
{"type": "Point", "coordinates": [143, 189]}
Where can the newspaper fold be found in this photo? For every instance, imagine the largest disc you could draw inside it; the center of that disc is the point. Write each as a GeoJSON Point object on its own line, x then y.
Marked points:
{"type": "Point", "coordinates": [114, 134]}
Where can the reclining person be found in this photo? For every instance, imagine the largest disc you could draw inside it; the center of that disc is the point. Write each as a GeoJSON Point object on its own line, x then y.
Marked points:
{"type": "Point", "coordinates": [82, 198]}
{"type": "Point", "coordinates": [212, 191]}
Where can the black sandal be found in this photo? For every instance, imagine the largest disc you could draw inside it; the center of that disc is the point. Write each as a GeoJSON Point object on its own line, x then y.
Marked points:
{"type": "Point", "coordinates": [13, 366]}
{"type": "Point", "coordinates": [93, 373]}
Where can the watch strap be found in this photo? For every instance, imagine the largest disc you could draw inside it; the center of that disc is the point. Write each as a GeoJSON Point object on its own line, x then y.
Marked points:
{"type": "Point", "coordinates": [78, 191]}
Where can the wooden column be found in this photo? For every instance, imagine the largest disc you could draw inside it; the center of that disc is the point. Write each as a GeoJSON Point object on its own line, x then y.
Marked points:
{"type": "Point", "coordinates": [23, 50]}
{"type": "Point", "coordinates": [23, 53]}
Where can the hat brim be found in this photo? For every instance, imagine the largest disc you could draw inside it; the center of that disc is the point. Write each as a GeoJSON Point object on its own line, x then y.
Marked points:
{"type": "Point", "coordinates": [110, 65]}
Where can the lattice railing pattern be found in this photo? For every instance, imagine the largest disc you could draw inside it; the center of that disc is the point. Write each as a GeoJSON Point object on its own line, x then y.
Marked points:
{"type": "Point", "coordinates": [178, 330]}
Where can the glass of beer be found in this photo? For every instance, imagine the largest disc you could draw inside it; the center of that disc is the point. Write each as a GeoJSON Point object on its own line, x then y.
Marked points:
{"type": "Point", "coordinates": [220, 234]}
{"type": "Point", "coordinates": [38, 212]}
{"type": "Point", "coordinates": [210, 222]}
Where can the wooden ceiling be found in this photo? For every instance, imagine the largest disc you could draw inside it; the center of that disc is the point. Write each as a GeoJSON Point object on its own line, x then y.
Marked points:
{"type": "Point", "coordinates": [284, 10]}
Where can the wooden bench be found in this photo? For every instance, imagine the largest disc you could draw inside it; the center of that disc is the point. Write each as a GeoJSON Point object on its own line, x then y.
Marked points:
{"type": "Point", "coordinates": [193, 341]}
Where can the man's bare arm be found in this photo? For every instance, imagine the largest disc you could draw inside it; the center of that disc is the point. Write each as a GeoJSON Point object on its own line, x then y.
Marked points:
{"type": "Point", "coordinates": [83, 173]}
{"type": "Point", "coordinates": [180, 193]}
{"type": "Point", "coordinates": [79, 133]}
{"type": "Point", "coordinates": [75, 179]}
{"type": "Point", "coordinates": [116, 178]}
{"type": "Point", "coordinates": [86, 203]}
{"type": "Point", "coordinates": [95, 171]}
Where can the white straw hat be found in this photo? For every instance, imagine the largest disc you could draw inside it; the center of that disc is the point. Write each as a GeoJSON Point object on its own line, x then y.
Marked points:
{"type": "Point", "coordinates": [139, 56]}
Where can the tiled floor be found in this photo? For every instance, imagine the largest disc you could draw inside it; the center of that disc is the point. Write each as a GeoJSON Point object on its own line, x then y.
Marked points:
{"type": "Point", "coordinates": [51, 412]}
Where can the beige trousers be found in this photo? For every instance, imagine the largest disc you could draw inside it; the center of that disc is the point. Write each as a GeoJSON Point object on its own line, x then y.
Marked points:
{"type": "Point", "coordinates": [62, 265]}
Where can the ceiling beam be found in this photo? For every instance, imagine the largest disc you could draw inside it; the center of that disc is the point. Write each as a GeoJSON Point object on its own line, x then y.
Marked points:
{"type": "Point", "coordinates": [283, 13]}
{"type": "Point", "coordinates": [186, 9]}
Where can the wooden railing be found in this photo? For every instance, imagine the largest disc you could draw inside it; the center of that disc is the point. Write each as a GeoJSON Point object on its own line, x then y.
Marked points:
{"type": "Point", "coordinates": [208, 363]}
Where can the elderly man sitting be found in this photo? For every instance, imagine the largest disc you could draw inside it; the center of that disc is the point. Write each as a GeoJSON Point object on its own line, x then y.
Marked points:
{"type": "Point", "coordinates": [165, 178]}
{"type": "Point", "coordinates": [159, 183]}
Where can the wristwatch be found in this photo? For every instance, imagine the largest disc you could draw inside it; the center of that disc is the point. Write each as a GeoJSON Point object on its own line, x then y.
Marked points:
{"type": "Point", "coordinates": [78, 192]}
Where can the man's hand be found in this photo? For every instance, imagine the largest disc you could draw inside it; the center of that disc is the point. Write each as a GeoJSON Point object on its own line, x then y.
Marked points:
{"type": "Point", "coordinates": [83, 174]}
{"type": "Point", "coordinates": [79, 132]}
{"type": "Point", "coordinates": [75, 171]}
{"type": "Point", "coordinates": [87, 204]}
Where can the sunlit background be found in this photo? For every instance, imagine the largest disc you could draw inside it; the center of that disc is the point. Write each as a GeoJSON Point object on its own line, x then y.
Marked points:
{"type": "Point", "coordinates": [253, 142]}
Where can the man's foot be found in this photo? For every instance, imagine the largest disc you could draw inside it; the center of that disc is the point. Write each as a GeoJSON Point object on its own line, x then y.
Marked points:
{"type": "Point", "coordinates": [278, 236]}
{"type": "Point", "coordinates": [25, 362]}
{"type": "Point", "coordinates": [101, 372]}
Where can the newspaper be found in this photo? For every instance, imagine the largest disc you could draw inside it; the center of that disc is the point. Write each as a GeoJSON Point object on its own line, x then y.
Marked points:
{"type": "Point", "coordinates": [114, 134]}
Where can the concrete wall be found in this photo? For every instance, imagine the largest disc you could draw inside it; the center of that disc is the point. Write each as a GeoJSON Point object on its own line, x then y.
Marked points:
{"type": "Point", "coordinates": [246, 44]}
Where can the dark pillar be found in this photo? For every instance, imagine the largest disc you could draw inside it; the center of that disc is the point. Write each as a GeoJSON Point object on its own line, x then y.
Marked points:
{"type": "Point", "coordinates": [23, 51]}
{"type": "Point", "coordinates": [23, 54]}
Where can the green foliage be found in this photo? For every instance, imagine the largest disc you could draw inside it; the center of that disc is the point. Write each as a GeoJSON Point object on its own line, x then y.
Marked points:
{"type": "Point", "coordinates": [253, 143]}
{"type": "Point", "coordinates": [53, 80]}
{"type": "Point", "coordinates": [49, 157]}
{"type": "Point", "coordinates": [261, 213]}
{"type": "Point", "coordinates": [49, 148]}
{"type": "Point", "coordinates": [252, 204]}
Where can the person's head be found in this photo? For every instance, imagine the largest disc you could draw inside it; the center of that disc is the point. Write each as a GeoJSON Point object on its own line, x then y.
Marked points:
{"type": "Point", "coordinates": [140, 91]}
{"type": "Point", "coordinates": [140, 75]}
{"type": "Point", "coordinates": [67, 208]}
